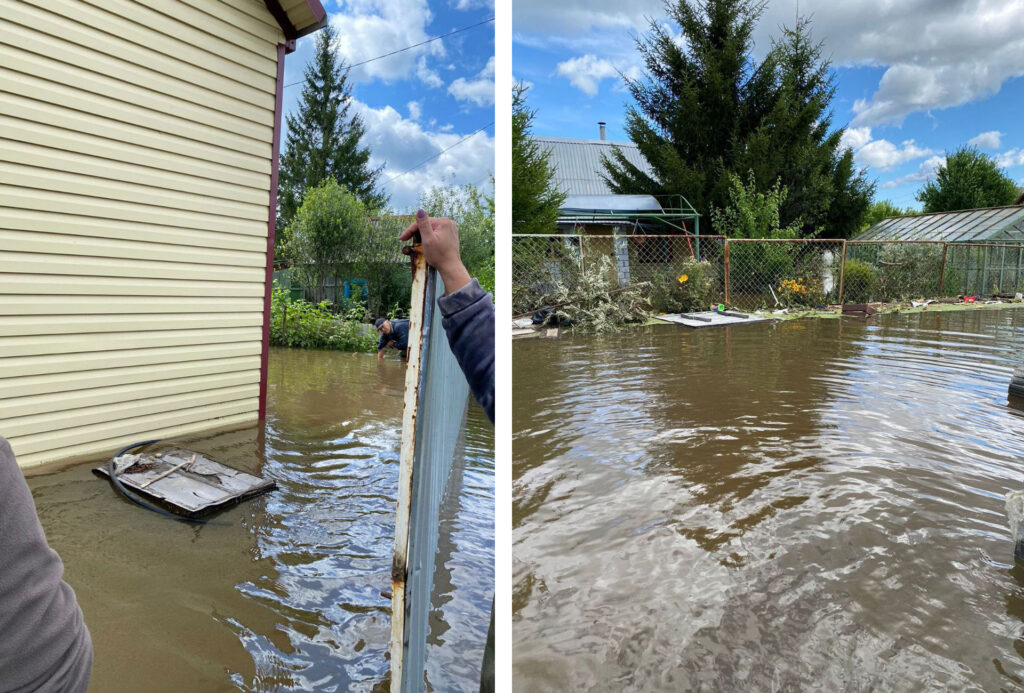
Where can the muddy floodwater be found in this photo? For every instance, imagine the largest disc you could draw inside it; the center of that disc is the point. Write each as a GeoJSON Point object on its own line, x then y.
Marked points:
{"type": "Point", "coordinates": [283, 593]}
{"type": "Point", "coordinates": [807, 505]}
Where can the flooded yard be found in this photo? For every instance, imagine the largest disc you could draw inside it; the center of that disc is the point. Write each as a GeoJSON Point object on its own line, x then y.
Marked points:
{"type": "Point", "coordinates": [287, 592]}
{"type": "Point", "coordinates": [791, 506]}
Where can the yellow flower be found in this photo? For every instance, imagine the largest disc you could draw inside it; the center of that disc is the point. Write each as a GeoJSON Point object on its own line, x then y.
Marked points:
{"type": "Point", "coordinates": [683, 278]}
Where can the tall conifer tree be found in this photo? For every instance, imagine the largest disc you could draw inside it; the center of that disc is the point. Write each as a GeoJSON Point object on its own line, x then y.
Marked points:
{"type": "Point", "coordinates": [707, 112]}
{"type": "Point", "coordinates": [324, 137]}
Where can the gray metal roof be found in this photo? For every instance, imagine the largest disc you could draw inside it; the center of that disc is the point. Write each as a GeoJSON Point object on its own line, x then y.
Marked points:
{"type": "Point", "coordinates": [578, 167]}
{"type": "Point", "coordinates": [988, 224]}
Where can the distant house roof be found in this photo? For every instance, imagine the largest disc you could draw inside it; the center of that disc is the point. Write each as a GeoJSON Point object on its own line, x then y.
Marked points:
{"type": "Point", "coordinates": [998, 224]}
{"type": "Point", "coordinates": [610, 204]}
{"type": "Point", "coordinates": [578, 167]}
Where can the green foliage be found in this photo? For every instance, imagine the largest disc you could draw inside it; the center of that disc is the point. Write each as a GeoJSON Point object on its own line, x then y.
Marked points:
{"type": "Point", "coordinates": [313, 326]}
{"type": "Point", "coordinates": [968, 179]}
{"type": "Point", "coordinates": [749, 213]}
{"type": "Point", "coordinates": [753, 214]}
{"type": "Point", "coordinates": [860, 281]}
{"type": "Point", "coordinates": [885, 209]}
{"type": "Point", "coordinates": [706, 109]}
{"type": "Point", "coordinates": [474, 213]}
{"type": "Point", "coordinates": [324, 138]}
{"type": "Point", "coordinates": [908, 271]}
{"type": "Point", "coordinates": [329, 225]}
{"type": "Point", "coordinates": [378, 259]}
{"type": "Point", "coordinates": [535, 200]}
{"type": "Point", "coordinates": [692, 288]}
{"type": "Point", "coordinates": [593, 301]}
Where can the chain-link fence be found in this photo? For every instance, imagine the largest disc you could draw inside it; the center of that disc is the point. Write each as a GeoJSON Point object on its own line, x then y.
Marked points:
{"type": "Point", "coordinates": [681, 273]}
{"type": "Point", "coordinates": [782, 273]}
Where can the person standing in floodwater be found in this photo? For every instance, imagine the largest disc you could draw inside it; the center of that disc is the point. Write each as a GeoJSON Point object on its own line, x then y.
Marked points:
{"type": "Point", "coordinates": [393, 333]}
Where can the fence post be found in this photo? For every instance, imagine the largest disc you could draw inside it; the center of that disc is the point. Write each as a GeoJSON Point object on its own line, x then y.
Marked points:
{"type": "Point", "coordinates": [942, 272]}
{"type": "Point", "coordinates": [727, 271]}
{"type": "Point", "coordinates": [284, 324]}
{"type": "Point", "coordinates": [842, 273]}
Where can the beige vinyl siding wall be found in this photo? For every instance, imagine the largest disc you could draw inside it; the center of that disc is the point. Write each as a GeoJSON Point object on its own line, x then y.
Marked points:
{"type": "Point", "coordinates": [135, 158]}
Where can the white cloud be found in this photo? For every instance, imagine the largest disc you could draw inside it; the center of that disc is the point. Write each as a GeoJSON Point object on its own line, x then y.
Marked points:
{"type": "Point", "coordinates": [937, 53]}
{"type": "Point", "coordinates": [479, 90]}
{"type": "Point", "coordinates": [428, 76]}
{"type": "Point", "coordinates": [415, 110]}
{"type": "Point", "coordinates": [883, 154]}
{"type": "Point", "coordinates": [403, 143]}
{"type": "Point", "coordinates": [925, 171]}
{"type": "Point", "coordinates": [472, 4]}
{"type": "Point", "coordinates": [986, 140]}
{"type": "Point", "coordinates": [587, 72]}
{"type": "Point", "coordinates": [368, 28]}
{"type": "Point", "coordinates": [855, 138]}
{"type": "Point", "coordinates": [1013, 157]}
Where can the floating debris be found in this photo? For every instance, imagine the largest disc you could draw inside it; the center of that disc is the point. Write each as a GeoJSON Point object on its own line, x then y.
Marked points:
{"type": "Point", "coordinates": [186, 482]}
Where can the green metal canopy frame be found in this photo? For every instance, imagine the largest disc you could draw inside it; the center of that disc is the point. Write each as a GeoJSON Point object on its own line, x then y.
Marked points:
{"type": "Point", "coordinates": [675, 212]}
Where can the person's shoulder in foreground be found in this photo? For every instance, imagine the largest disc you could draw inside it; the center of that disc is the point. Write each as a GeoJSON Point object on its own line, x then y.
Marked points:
{"type": "Point", "coordinates": [44, 644]}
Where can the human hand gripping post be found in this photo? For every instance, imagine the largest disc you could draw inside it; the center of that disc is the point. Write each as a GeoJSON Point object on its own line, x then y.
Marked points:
{"type": "Point", "coordinates": [439, 240]}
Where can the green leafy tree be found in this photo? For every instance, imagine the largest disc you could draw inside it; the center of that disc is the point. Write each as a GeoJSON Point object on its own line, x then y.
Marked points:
{"type": "Point", "coordinates": [327, 231]}
{"type": "Point", "coordinates": [324, 137]}
{"type": "Point", "coordinates": [474, 213]}
{"type": "Point", "coordinates": [753, 214]}
{"type": "Point", "coordinates": [707, 109]}
{"type": "Point", "coordinates": [968, 179]}
{"type": "Point", "coordinates": [885, 209]}
{"type": "Point", "coordinates": [535, 199]}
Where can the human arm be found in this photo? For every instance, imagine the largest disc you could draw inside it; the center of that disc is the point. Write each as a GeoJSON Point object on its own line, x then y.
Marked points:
{"type": "Point", "coordinates": [467, 309]}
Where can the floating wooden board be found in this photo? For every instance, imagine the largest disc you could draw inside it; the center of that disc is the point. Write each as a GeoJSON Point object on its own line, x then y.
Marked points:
{"type": "Point", "coordinates": [710, 318]}
{"type": "Point", "coordinates": [193, 490]}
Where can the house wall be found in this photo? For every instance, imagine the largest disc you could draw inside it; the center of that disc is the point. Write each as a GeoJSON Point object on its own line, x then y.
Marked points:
{"type": "Point", "coordinates": [135, 169]}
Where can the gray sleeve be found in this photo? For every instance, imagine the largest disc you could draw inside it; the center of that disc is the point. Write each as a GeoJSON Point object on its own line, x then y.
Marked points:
{"type": "Point", "coordinates": [469, 322]}
{"type": "Point", "coordinates": [44, 644]}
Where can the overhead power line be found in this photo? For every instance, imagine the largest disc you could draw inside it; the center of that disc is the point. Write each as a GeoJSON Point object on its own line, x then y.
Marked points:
{"type": "Point", "coordinates": [415, 45]}
{"type": "Point", "coordinates": [434, 156]}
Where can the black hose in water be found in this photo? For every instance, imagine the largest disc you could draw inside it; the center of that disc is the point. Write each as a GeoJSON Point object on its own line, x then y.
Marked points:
{"type": "Point", "coordinates": [112, 472]}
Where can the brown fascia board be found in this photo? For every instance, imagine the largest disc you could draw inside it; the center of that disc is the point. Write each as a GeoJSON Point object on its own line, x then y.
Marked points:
{"type": "Point", "coordinates": [292, 32]}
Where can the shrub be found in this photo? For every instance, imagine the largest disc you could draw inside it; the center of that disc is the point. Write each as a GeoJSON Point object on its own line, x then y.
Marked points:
{"type": "Point", "coordinates": [313, 326]}
{"type": "Point", "coordinates": [592, 300]}
{"type": "Point", "coordinates": [692, 288]}
{"type": "Point", "coordinates": [860, 281]}
{"type": "Point", "coordinates": [908, 270]}
{"type": "Point", "coordinates": [801, 291]}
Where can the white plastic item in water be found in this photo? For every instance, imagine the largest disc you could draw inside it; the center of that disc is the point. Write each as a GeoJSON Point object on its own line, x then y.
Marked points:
{"type": "Point", "coordinates": [1015, 514]}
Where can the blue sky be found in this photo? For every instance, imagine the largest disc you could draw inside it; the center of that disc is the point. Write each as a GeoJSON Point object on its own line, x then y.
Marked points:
{"type": "Point", "coordinates": [914, 78]}
{"type": "Point", "coordinates": [421, 101]}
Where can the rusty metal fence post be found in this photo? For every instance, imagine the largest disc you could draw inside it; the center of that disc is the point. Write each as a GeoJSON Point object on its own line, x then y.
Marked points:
{"type": "Point", "coordinates": [726, 271]}
{"type": "Point", "coordinates": [842, 274]}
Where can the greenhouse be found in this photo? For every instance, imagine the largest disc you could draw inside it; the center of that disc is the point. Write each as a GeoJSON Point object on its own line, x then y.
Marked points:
{"type": "Point", "coordinates": [971, 252]}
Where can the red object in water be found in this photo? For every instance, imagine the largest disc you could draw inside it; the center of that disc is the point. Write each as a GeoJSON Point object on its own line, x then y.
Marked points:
{"type": "Point", "coordinates": [970, 299]}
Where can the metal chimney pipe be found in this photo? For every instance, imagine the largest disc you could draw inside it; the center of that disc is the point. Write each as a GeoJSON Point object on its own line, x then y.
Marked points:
{"type": "Point", "coordinates": [601, 125]}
